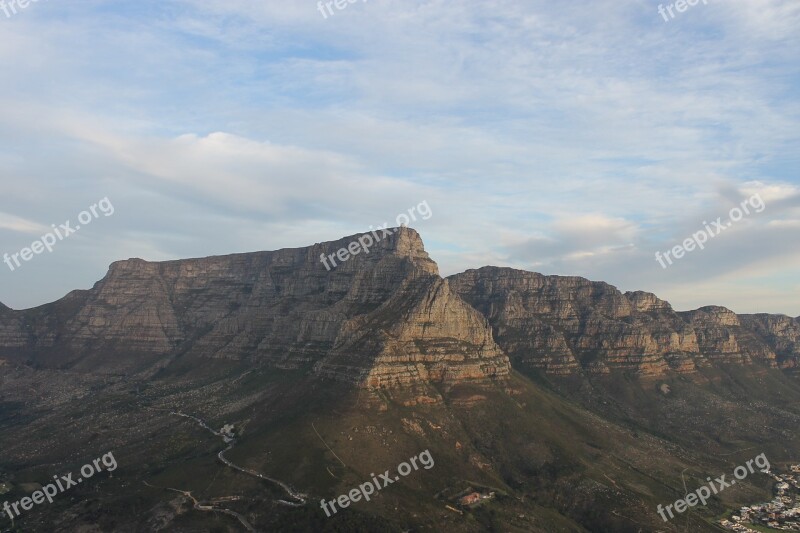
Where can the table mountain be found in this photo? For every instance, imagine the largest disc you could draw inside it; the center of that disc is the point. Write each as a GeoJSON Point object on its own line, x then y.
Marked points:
{"type": "Point", "coordinates": [382, 318]}
{"type": "Point", "coordinates": [324, 378]}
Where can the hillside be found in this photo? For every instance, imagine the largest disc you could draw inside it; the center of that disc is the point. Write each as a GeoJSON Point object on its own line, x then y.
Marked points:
{"type": "Point", "coordinates": [580, 407]}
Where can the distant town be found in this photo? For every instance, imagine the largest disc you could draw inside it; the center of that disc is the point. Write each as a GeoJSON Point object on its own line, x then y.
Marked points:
{"type": "Point", "coordinates": [782, 513]}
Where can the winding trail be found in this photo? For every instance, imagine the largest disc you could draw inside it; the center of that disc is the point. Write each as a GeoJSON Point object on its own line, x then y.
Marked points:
{"type": "Point", "coordinates": [201, 506]}
{"type": "Point", "coordinates": [299, 497]}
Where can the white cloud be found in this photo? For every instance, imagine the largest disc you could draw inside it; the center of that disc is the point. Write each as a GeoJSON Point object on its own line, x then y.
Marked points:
{"type": "Point", "coordinates": [21, 225]}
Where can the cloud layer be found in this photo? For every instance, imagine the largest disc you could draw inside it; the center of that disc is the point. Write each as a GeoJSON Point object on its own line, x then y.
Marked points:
{"type": "Point", "coordinates": [575, 140]}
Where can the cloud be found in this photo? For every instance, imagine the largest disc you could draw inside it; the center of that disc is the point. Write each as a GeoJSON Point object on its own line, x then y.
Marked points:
{"type": "Point", "coordinates": [574, 139]}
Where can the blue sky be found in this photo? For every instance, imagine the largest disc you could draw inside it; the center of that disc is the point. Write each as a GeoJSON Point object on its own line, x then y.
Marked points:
{"type": "Point", "coordinates": [573, 138]}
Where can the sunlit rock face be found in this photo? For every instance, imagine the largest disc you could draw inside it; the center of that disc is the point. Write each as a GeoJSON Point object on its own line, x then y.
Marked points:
{"type": "Point", "coordinates": [564, 325]}
{"type": "Point", "coordinates": [381, 318]}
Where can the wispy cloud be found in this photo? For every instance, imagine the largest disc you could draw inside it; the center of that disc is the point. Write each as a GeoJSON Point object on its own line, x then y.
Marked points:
{"type": "Point", "coordinates": [21, 225]}
{"type": "Point", "coordinates": [572, 139]}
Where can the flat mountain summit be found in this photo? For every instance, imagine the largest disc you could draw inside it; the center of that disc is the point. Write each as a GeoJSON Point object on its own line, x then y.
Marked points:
{"type": "Point", "coordinates": [383, 319]}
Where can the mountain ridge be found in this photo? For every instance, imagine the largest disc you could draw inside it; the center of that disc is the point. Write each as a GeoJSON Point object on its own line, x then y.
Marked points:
{"type": "Point", "coordinates": [384, 318]}
{"type": "Point", "coordinates": [563, 324]}
{"type": "Point", "coordinates": [579, 406]}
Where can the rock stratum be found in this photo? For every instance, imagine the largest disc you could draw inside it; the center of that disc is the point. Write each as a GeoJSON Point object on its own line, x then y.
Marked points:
{"type": "Point", "coordinates": [381, 319]}
{"type": "Point", "coordinates": [565, 325]}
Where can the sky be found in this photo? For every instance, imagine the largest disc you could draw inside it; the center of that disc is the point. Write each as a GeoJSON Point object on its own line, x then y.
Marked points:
{"type": "Point", "coordinates": [575, 138]}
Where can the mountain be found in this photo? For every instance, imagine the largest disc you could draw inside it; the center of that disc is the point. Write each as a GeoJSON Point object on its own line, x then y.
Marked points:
{"type": "Point", "coordinates": [580, 408]}
{"type": "Point", "coordinates": [567, 325]}
{"type": "Point", "coordinates": [282, 309]}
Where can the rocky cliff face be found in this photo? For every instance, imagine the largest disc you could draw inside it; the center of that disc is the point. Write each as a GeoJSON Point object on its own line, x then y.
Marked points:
{"type": "Point", "coordinates": [427, 334]}
{"type": "Point", "coordinates": [564, 325]}
{"type": "Point", "coordinates": [382, 318]}
{"type": "Point", "coordinates": [12, 332]}
{"type": "Point", "coordinates": [780, 332]}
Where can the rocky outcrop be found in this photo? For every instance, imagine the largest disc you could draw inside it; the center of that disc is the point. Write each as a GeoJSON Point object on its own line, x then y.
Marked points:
{"type": "Point", "coordinates": [780, 332]}
{"type": "Point", "coordinates": [560, 324]}
{"type": "Point", "coordinates": [720, 337]}
{"type": "Point", "coordinates": [647, 302]}
{"type": "Point", "coordinates": [382, 318]}
{"type": "Point", "coordinates": [428, 334]}
{"type": "Point", "coordinates": [563, 325]}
